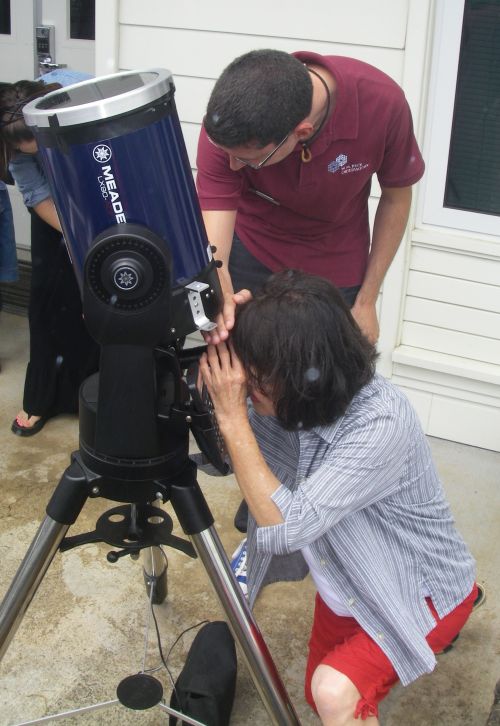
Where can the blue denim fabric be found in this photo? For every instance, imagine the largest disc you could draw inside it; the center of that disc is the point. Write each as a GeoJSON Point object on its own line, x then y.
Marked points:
{"type": "Point", "coordinates": [64, 76]}
{"type": "Point", "coordinates": [8, 257]}
{"type": "Point", "coordinates": [30, 178]}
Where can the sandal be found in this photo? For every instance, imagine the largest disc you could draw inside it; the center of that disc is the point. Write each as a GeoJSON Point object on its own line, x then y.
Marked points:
{"type": "Point", "coordinates": [478, 601]}
{"type": "Point", "coordinates": [480, 597]}
{"type": "Point", "coordinates": [16, 428]}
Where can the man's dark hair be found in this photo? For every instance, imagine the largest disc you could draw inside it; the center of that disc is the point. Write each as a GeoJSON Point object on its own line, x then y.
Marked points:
{"type": "Point", "coordinates": [259, 98]}
{"type": "Point", "coordinates": [299, 343]}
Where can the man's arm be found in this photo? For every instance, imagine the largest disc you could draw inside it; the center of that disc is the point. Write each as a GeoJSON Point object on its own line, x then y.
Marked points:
{"type": "Point", "coordinates": [219, 225]}
{"type": "Point", "coordinates": [388, 229]}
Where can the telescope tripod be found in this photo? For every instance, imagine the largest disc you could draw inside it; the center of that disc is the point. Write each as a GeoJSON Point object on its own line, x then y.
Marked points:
{"type": "Point", "coordinates": [135, 417]}
{"type": "Point", "coordinates": [132, 528]}
{"type": "Point", "coordinates": [136, 525]}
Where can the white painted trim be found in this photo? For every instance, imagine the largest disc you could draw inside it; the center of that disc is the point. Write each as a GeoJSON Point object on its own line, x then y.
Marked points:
{"type": "Point", "coordinates": [358, 22]}
{"type": "Point", "coordinates": [394, 288]}
{"type": "Point", "coordinates": [455, 399]}
{"type": "Point", "coordinates": [457, 241]}
{"type": "Point", "coordinates": [405, 377]}
{"type": "Point", "coordinates": [440, 363]}
{"type": "Point", "coordinates": [107, 37]}
{"type": "Point", "coordinates": [446, 45]}
{"type": "Point", "coordinates": [446, 416]}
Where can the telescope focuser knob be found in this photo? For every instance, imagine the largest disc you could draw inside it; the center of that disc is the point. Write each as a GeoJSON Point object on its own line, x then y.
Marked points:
{"type": "Point", "coordinates": [213, 248]}
{"type": "Point", "coordinates": [126, 274]}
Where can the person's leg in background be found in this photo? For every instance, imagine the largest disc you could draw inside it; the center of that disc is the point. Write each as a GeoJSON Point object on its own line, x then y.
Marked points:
{"type": "Point", "coordinates": [246, 271]}
{"type": "Point", "coordinates": [8, 256]}
{"type": "Point", "coordinates": [62, 353]}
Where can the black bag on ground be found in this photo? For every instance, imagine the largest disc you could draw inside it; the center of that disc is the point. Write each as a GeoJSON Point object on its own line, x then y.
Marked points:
{"type": "Point", "coordinates": [205, 687]}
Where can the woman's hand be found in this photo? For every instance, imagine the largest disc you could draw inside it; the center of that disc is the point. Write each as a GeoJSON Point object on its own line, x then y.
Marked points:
{"type": "Point", "coordinates": [226, 381]}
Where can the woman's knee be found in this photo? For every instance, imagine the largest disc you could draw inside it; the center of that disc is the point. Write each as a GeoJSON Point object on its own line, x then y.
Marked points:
{"type": "Point", "coordinates": [334, 694]}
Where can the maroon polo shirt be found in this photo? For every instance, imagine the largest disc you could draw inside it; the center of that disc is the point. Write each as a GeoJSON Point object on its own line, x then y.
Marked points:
{"type": "Point", "coordinates": [320, 222]}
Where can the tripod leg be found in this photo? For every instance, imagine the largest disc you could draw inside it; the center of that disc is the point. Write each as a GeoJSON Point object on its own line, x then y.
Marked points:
{"type": "Point", "coordinates": [28, 577]}
{"type": "Point", "coordinates": [245, 629]}
{"type": "Point", "coordinates": [196, 520]}
{"type": "Point", "coordinates": [63, 509]}
{"type": "Point", "coordinates": [154, 564]}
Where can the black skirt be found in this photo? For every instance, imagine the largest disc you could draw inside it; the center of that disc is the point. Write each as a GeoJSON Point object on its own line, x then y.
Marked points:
{"type": "Point", "coordinates": [62, 353]}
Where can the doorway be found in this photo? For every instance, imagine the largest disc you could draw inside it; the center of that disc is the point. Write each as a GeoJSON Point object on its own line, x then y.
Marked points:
{"type": "Point", "coordinates": [72, 36]}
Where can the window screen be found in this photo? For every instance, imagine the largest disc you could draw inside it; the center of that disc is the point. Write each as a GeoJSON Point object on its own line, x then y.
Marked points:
{"type": "Point", "coordinates": [82, 19]}
{"type": "Point", "coordinates": [473, 176]}
{"type": "Point", "coordinates": [5, 17]}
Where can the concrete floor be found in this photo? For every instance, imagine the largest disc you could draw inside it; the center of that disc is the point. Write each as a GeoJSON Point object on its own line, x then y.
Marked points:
{"type": "Point", "coordinates": [84, 630]}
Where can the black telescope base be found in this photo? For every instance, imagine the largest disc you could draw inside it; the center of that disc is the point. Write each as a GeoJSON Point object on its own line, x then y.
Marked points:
{"type": "Point", "coordinates": [130, 528]}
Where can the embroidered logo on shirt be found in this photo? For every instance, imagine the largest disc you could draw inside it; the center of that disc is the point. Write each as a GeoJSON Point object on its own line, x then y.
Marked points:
{"type": "Point", "coordinates": [340, 164]}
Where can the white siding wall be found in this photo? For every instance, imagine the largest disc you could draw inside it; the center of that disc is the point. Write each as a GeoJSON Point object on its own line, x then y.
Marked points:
{"type": "Point", "coordinates": [440, 308]}
{"type": "Point", "coordinates": [448, 360]}
{"type": "Point", "coordinates": [196, 40]}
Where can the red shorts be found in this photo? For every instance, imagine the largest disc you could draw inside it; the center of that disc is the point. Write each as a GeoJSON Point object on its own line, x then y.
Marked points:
{"type": "Point", "coordinates": [341, 643]}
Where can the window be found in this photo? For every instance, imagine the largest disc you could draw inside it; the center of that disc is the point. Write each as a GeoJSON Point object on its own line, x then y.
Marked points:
{"type": "Point", "coordinates": [463, 135]}
{"type": "Point", "coordinates": [5, 17]}
{"type": "Point", "coordinates": [473, 177]}
{"type": "Point", "coordinates": [82, 19]}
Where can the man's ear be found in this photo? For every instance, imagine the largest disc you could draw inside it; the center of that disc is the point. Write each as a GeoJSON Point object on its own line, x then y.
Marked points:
{"type": "Point", "coordinates": [304, 130]}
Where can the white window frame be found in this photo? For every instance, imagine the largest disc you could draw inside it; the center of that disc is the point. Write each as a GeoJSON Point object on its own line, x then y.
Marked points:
{"type": "Point", "coordinates": [446, 53]}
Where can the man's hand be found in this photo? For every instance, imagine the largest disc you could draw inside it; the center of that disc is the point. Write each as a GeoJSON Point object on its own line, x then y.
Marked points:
{"type": "Point", "coordinates": [365, 314]}
{"type": "Point", "coordinates": [225, 379]}
{"type": "Point", "coordinates": [388, 229]}
{"type": "Point", "coordinates": [219, 224]}
{"type": "Point", "coordinates": [225, 319]}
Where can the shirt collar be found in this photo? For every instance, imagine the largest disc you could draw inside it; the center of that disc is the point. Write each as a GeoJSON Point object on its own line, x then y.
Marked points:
{"type": "Point", "coordinates": [327, 433]}
{"type": "Point", "coordinates": [344, 121]}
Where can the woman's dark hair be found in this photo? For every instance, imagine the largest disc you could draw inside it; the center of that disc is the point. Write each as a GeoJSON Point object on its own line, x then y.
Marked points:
{"type": "Point", "coordinates": [13, 130]}
{"type": "Point", "coordinates": [299, 343]}
{"type": "Point", "coordinates": [259, 98]}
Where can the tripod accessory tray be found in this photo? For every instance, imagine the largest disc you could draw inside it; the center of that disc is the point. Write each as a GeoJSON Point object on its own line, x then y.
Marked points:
{"type": "Point", "coordinates": [132, 529]}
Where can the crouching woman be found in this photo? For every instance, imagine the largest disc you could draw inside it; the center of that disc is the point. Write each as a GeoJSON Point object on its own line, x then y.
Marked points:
{"type": "Point", "coordinates": [339, 479]}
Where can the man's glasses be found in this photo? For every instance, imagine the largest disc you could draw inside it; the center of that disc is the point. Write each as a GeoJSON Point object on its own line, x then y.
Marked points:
{"type": "Point", "coordinates": [251, 164]}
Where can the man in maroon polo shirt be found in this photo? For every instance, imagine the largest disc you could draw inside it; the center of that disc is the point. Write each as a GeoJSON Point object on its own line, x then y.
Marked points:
{"type": "Point", "coordinates": [286, 155]}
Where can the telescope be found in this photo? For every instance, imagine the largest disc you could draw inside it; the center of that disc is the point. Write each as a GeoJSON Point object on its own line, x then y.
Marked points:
{"type": "Point", "coordinates": [114, 155]}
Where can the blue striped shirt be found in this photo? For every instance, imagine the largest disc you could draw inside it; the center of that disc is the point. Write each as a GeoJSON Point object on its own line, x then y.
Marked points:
{"type": "Point", "coordinates": [364, 495]}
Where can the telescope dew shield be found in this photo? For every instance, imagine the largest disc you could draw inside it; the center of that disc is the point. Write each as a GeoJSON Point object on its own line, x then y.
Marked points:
{"type": "Point", "coordinates": [117, 165]}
